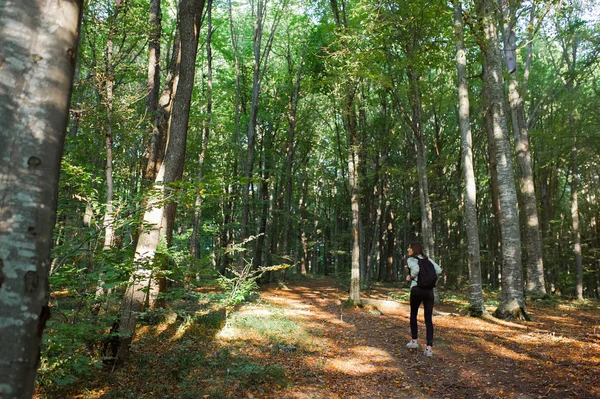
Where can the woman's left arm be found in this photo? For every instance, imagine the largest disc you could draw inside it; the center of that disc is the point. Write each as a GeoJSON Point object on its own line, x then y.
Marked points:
{"type": "Point", "coordinates": [437, 267]}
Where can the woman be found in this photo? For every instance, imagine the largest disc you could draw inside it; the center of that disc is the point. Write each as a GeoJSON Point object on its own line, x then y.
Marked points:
{"type": "Point", "coordinates": [418, 295]}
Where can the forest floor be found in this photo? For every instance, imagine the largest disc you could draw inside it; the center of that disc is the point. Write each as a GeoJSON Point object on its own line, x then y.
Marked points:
{"type": "Point", "coordinates": [299, 341]}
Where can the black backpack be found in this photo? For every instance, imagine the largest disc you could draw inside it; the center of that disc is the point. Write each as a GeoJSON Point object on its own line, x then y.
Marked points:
{"type": "Point", "coordinates": [427, 276]}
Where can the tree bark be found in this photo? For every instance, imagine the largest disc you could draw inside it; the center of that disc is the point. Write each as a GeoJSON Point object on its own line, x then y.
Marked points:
{"type": "Point", "coordinates": [571, 59]}
{"type": "Point", "coordinates": [353, 176]}
{"type": "Point", "coordinates": [476, 307]}
{"type": "Point", "coordinates": [108, 99]}
{"type": "Point", "coordinates": [575, 210]}
{"type": "Point", "coordinates": [38, 49]}
{"type": "Point", "coordinates": [261, 57]}
{"type": "Point", "coordinates": [421, 154]}
{"type": "Point", "coordinates": [532, 238]}
{"type": "Point", "coordinates": [287, 186]}
{"type": "Point", "coordinates": [155, 151]}
{"type": "Point", "coordinates": [158, 216]}
{"type": "Point", "coordinates": [352, 146]}
{"type": "Point", "coordinates": [194, 244]}
{"type": "Point", "coordinates": [512, 302]}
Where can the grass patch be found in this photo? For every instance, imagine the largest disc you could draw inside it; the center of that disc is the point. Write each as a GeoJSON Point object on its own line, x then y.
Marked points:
{"type": "Point", "coordinates": [403, 296]}
{"type": "Point", "coordinates": [270, 324]}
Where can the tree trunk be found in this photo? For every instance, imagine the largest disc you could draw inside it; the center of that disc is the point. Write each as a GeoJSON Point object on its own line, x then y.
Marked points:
{"type": "Point", "coordinates": [532, 238]}
{"type": "Point", "coordinates": [354, 204]}
{"type": "Point", "coordinates": [194, 244]}
{"type": "Point", "coordinates": [389, 243]}
{"type": "Point", "coordinates": [352, 147]}
{"type": "Point", "coordinates": [476, 307]}
{"type": "Point", "coordinates": [303, 219]}
{"type": "Point", "coordinates": [512, 302]}
{"type": "Point", "coordinates": [287, 185]}
{"type": "Point", "coordinates": [158, 108]}
{"type": "Point", "coordinates": [38, 49]}
{"type": "Point", "coordinates": [575, 210]}
{"type": "Point", "coordinates": [421, 153]}
{"type": "Point", "coordinates": [571, 60]}
{"type": "Point", "coordinates": [108, 99]}
{"type": "Point", "coordinates": [170, 171]}
{"type": "Point", "coordinates": [261, 57]}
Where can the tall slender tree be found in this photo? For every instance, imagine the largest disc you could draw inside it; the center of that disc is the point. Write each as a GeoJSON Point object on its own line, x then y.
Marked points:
{"type": "Point", "coordinates": [474, 258]}
{"type": "Point", "coordinates": [347, 93]}
{"type": "Point", "coordinates": [194, 243]}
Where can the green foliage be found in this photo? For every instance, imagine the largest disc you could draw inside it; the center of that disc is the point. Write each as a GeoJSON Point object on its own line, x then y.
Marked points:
{"type": "Point", "coordinates": [66, 354]}
{"type": "Point", "coordinates": [275, 326]}
{"type": "Point", "coordinates": [403, 296]}
{"type": "Point", "coordinates": [240, 284]}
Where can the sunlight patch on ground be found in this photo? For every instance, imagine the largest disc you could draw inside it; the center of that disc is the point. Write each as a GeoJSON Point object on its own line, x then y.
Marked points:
{"type": "Point", "coordinates": [295, 312]}
{"type": "Point", "coordinates": [227, 332]}
{"type": "Point", "coordinates": [161, 328]}
{"type": "Point", "coordinates": [503, 351]}
{"type": "Point", "coordinates": [375, 354]}
{"type": "Point", "coordinates": [356, 365]}
{"type": "Point", "coordinates": [258, 312]}
{"type": "Point", "coordinates": [353, 366]}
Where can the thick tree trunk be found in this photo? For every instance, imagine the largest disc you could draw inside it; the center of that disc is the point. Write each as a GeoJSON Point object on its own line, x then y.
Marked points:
{"type": "Point", "coordinates": [532, 237]}
{"type": "Point", "coordinates": [38, 49]}
{"type": "Point", "coordinates": [170, 171]}
{"type": "Point", "coordinates": [473, 256]}
{"type": "Point", "coordinates": [512, 302]}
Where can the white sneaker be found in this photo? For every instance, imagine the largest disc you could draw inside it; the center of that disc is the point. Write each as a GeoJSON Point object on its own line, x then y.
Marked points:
{"type": "Point", "coordinates": [428, 352]}
{"type": "Point", "coordinates": [412, 345]}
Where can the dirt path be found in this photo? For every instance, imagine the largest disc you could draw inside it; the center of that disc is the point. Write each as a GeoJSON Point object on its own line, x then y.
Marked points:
{"type": "Point", "coordinates": [361, 353]}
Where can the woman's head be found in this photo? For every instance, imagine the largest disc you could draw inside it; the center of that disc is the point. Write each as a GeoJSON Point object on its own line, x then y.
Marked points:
{"type": "Point", "coordinates": [417, 248]}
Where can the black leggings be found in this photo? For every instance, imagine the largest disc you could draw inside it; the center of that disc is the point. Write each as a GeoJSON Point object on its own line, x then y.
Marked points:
{"type": "Point", "coordinates": [418, 295]}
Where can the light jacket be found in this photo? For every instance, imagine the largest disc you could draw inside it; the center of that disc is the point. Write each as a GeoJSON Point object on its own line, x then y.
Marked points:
{"type": "Point", "coordinates": [413, 265]}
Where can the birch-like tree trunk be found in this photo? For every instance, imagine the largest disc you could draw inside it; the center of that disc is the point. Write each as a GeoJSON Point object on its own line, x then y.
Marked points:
{"type": "Point", "coordinates": [158, 216]}
{"type": "Point", "coordinates": [389, 243]}
{"type": "Point", "coordinates": [38, 49]}
{"type": "Point", "coordinates": [476, 307]}
{"type": "Point", "coordinates": [512, 302]}
{"type": "Point", "coordinates": [532, 238]}
{"type": "Point", "coordinates": [575, 209]}
{"type": "Point", "coordinates": [353, 176]}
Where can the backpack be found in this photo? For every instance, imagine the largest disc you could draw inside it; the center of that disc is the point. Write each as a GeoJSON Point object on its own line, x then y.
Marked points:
{"type": "Point", "coordinates": [427, 276]}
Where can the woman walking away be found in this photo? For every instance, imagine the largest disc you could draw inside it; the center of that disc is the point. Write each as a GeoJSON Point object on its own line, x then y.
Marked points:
{"type": "Point", "coordinates": [425, 270]}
